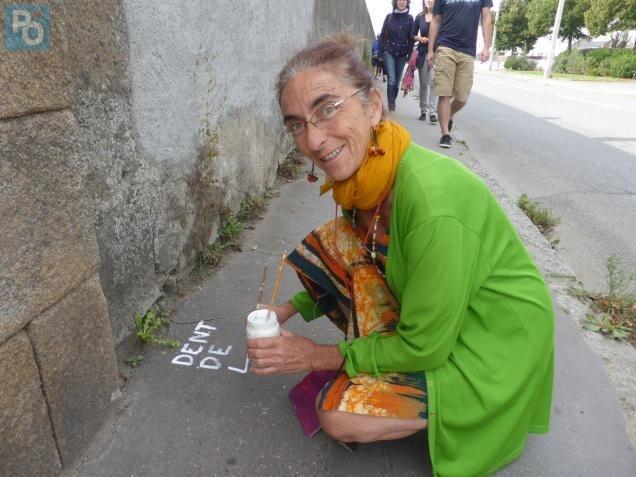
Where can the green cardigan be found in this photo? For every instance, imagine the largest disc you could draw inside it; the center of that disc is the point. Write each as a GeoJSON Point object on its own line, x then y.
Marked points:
{"type": "Point", "coordinates": [476, 316]}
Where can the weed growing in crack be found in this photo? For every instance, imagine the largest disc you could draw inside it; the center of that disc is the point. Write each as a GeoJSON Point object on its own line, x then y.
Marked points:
{"type": "Point", "coordinates": [542, 217]}
{"type": "Point", "coordinates": [230, 230]}
{"type": "Point", "coordinates": [134, 360]}
{"type": "Point", "coordinates": [149, 326]}
{"type": "Point", "coordinates": [291, 165]}
{"type": "Point", "coordinates": [251, 206]}
{"type": "Point", "coordinates": [209, 258]}
{"type": "Point", "coordinates": [614, 311]}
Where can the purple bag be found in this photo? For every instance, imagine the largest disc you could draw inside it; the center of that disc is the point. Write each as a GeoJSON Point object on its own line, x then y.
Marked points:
{"type": "Point", "coordinates": [303, 398]}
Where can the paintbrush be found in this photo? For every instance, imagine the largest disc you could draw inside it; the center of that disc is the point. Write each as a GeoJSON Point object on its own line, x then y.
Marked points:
{"type": "Point", "coordinates": [279, 276]}
{"type": "Point", "coordinates": [262, 288]}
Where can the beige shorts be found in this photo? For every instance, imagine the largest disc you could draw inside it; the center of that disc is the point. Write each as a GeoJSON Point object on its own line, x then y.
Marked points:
{"type": "Point", "coordinates": [453, 73]}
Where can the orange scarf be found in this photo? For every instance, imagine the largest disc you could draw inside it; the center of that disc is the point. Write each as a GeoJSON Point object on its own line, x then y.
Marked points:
{"type": "Point", "coordinates": [376, 174]}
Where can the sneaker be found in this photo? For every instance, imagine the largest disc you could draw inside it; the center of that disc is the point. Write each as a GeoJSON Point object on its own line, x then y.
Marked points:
{"type": "Point", "coordinates": [445, 141]}
{"type": "Point", "coordinates": [432, 118]}
{"type": "Point", "coordinates": [422, 117]}
{"type": "Point", "coordinates": [450, 125]}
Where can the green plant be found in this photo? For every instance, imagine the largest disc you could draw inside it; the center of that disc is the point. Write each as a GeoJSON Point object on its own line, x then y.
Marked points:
{"type": "Point", "coordinates": [612, 62]}
{"type": "Point", "coordinates": [134, 360]}
{"type": "Point", "coordinates": [607, 326]}
{"type": "Point", "coordinates": [210, 257]}
{"type": "Point", "coordinates": [572, 62]}
{"type": "Point", "coordinates": [250, 206]}
{"type": "Point", "coordinates": [617, 308]}
{"type": "Point", "coordinates": [290, 167]}
{"type": "Point", "coordinates": [623, 66]}
{"type": "Point", "coordinates": [542, 217]}
{"type": "Point", "coordinates": [230, 229]}
{"type": "Point", "coordinates": [149, 325]}
{"type": "Point", "coordinates": [520, 63]}
{"type": "Point", "coordinates": [619, 281]}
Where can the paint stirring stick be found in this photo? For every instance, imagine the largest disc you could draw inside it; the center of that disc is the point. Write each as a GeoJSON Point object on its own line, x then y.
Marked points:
{"type": "Point", "coordinates": [279, 276]}
{"type": "Point", "coordinates": [262, 287]}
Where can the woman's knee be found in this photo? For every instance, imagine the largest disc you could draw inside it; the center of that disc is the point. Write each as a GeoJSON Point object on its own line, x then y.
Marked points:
{"type": "Point", "coordinates": [332, 423]}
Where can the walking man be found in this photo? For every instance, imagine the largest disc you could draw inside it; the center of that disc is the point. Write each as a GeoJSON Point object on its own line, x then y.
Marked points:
{"type": "Point", "coordinates": [452, 48]}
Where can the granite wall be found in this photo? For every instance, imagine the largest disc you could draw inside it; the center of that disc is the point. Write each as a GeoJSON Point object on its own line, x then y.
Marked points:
{"type": "Point", "coordinates": [123, 133]}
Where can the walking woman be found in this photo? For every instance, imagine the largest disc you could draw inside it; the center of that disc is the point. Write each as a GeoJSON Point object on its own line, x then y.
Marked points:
{"type": "Point", "coordinates": [426, 72]}
{"type": "Point", "coordinates": [397, 44]}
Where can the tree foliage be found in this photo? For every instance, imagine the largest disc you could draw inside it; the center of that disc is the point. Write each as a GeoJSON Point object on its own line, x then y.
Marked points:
{"type": "Point", "coordinates": [541, 15]}
{"type": "Point", "coordinates": [610, 15]}
{"type": "Point", "coordinates": [512, 27]}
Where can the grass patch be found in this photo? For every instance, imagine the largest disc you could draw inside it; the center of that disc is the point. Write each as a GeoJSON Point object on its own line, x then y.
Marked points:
{"type": "Point", "coordinates": [209, 258]}
{"type": "Point", "coordinates": [229, 237]}
{"type": "Point", "coordinates": [542, 217]}
{"type": "Point", "coordinates": [566, 76]}
{"type": "Point", "coordinates": [291, 165]}
{"type": "Point", "coordinates": [134, 360]}
{"type": "Point", "coordinates": [251, 206]}
{"type": "Point", "coordinates": [230, 230]}
{"type": "Point", "coordinates": [149, 326]}
{"type": "Point", "coordinates": [615, 310]}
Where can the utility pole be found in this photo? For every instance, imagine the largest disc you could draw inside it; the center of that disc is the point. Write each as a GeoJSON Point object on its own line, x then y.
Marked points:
{"type": "Point", "coordinates": [494, 38]}
{"type": "Point", "coordinates": [547, 74]}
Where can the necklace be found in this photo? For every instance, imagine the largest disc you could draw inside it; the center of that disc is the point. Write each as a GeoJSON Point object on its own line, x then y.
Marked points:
{"type": "Point", "coordinates": [373, 231]}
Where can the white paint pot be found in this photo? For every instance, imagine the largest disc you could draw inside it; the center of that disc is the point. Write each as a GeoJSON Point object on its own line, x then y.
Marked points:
{"type": "Point", "coordinates": [259, 325]}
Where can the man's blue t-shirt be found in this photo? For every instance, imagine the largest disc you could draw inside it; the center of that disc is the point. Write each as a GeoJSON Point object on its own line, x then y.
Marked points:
{"type": "Point", "coordinates": [460, 23]}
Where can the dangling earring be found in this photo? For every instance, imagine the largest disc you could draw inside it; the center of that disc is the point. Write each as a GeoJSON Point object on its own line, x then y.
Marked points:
{"type": "Point", "coordinates": [374, 149]}
{"type": "Point", "coordinates": [311, 177]}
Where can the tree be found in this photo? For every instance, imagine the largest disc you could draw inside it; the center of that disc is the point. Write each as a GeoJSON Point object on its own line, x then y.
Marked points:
{"type": "Point", "coordinates": [541, 15]}
{"type": "Point", "coordinates": [610, 15]}
{"type": "Point", "coordinates": [512, 27]}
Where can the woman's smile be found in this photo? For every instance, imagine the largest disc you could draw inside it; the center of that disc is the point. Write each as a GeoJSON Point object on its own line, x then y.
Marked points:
{"type": "Point", "coordinates": [332, 155]}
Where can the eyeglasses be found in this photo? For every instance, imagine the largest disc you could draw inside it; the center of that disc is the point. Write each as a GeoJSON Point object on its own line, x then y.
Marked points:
{"type": "Point", "coordinates": [324, 114]}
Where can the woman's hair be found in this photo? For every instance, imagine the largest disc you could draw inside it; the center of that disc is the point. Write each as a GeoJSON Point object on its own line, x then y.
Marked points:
{"type": "Point", "coordinates": [408, 5]}
{"type": "Point", "coordinates": [425, 9]}
{"type": "Point", "coordinates": [337, 55]}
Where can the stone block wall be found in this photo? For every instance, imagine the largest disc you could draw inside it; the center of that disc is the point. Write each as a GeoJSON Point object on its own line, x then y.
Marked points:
{"type": "Point", "coordinates": [57, 361]}
{"type": "Point", "coordinates": [120, 144]}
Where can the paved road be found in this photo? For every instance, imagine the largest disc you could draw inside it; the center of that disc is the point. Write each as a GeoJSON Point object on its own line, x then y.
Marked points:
{"type": "Point", "coordinates": [570, 145]}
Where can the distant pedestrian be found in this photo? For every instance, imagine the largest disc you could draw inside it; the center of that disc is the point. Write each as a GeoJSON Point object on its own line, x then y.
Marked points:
{"type": "Point", "coordinates": [425, 72]}
{"type": "Point", "coordinates": [452, 47]}
{"type": "Point", "coordinates": [397, 45]}
{"type": "Point", "coordinates": [376, 58]}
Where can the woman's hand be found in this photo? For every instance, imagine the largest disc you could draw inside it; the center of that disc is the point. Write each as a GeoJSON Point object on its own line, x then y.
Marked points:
{"type": "Point", "coordinates": [283, 312]}
{"type": "Point", "coordinates": [287, 353]}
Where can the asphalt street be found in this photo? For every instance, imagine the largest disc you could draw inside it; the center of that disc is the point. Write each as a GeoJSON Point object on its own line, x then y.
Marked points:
{"type": "Point", "coordinates": [569, 145]}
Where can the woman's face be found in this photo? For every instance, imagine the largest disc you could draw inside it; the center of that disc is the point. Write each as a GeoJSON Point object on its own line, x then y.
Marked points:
{"type": "Point", "coordinates": [339, 145]}
{"type": "Point", "coordinates": [401, 4]}
{"type": "Point", "coordinates": [429, 4]}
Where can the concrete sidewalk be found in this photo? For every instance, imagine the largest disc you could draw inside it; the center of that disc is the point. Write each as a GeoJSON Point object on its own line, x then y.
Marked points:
{"type": "Point", "coordinates": [207, 418]}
